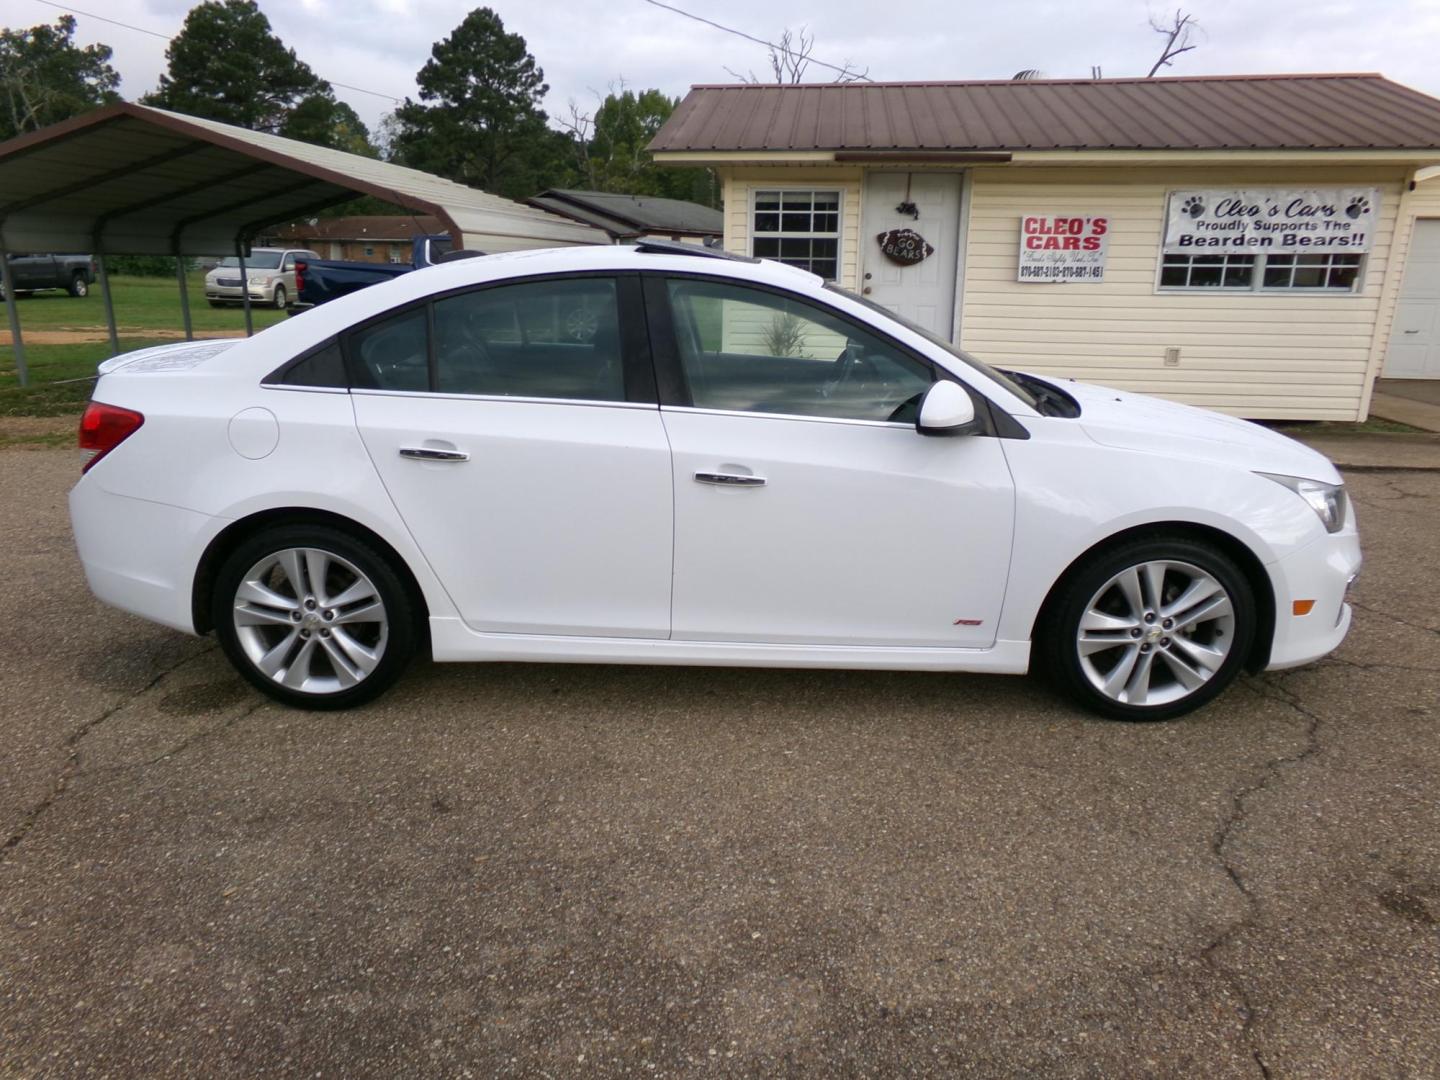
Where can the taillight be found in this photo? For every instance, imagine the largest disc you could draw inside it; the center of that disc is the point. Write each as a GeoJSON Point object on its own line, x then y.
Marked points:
{"type": "Point", "coordinates": [104, 427]}
{"type": "Point", "coordinates": [300, 268]}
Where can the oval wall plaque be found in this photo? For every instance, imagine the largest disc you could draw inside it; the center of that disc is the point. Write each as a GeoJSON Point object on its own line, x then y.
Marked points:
{"type": "Point", "coordinates": [905, 246]}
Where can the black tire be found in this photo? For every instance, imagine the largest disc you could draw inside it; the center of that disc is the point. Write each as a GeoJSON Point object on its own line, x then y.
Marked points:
{"type": "Point", "coordinates": [395, 649]}
{"type": "Point", "coordinates": [281, 299]}
{"type": "Point", "coordinates": [215, 303]}
{"type": "Point", "coordinates": [1057, 651]}
{"type": "Point", "coordinates": [79, 284]}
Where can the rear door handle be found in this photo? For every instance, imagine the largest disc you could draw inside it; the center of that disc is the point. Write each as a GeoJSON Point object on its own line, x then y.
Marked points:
{"type": "Point", "coordinates": [430, 453]}
{"type": "Point", "coordinates": [725, 479]}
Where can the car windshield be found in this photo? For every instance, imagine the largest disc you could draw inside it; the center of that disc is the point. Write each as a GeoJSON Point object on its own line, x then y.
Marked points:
{"type": "Point", "coordinates": [258, 260]}
{"type": "Point", "coordinates": [971, 362]}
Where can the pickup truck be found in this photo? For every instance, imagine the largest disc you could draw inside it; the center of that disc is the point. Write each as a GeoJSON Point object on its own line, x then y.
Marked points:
{"type": "Point", "coordinates": [73, 273]}
{"type": "Point", "coordinates": [319, 280]}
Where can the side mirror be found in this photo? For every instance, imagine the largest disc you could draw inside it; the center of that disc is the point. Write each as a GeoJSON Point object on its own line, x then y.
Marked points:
{"type": "Point", "coordinates": [946, 409]}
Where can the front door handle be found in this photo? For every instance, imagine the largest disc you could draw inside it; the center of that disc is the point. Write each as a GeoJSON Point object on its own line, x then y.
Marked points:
{"type": "Point", "coordinates": [430, 453]}
{"type": "Point", "coordinates": [725, 479]}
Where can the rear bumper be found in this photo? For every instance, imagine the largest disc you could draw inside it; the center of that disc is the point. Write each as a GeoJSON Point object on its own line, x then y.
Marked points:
{"type": "Point", "coordinates": [1321, 572]}
{"type": "Point", "coordinates": [139, 556]}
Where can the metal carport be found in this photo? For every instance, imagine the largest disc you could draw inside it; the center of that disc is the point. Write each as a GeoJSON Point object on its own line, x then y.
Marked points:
{"type": "Point", "coordinates": [132, 180]}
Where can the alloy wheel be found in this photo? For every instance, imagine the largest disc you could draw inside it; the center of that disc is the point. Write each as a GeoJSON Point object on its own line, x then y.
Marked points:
{"type": "Point", "coordinates": [1155, 633]}
{"type": "Point", "coordinates": [310, 620]}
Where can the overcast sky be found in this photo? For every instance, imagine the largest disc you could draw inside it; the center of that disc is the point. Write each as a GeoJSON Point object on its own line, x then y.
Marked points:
{"type": "Point", "coordinates": [584, 46]}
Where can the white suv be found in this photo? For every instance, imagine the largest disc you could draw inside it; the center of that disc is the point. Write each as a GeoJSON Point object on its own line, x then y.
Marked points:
{"type": "Point", "coordinates": [271, 274]}
{"type": "Point", "coordinates": [633, 455]}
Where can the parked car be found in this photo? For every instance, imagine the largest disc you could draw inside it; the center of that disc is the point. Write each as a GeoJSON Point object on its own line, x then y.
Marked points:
{"type": "Point", "coordinates": [628, 455]}
{"type": "Point", "coordinates": [319, 280]}
{"type": "Point", "coordinates": [32, 273]}
{"type": "Point", "coordinates": [271, 273]}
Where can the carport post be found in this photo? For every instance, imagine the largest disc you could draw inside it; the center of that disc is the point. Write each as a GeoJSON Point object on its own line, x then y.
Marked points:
{"type": "Point", "coordinates": [184, 296]}
{"type": "Point", "coordinates": [244, 289]}
{"type": "Point", "coordinates": [13, 314]}
{"type": "Point", "coordinates": [109, 303]}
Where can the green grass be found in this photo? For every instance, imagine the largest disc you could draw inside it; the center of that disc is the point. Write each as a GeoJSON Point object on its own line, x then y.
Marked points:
{"type": "Point", "coordinates": [140, 304]}
{"type": "Point", "coordinates": [61, 376]}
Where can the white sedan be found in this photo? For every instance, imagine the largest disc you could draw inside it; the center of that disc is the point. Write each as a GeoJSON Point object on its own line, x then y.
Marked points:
{"type": "Point", "coordinates": [636, 455]}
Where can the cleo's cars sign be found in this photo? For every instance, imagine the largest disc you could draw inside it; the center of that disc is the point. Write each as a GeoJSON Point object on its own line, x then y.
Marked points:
{"type": "Point", "coordinates": [1063, 247]}
{"type": "Point", "coordinates": [1215, 221]}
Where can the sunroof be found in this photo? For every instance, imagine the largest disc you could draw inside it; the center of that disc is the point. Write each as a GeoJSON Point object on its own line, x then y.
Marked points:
{"type": "Point", "coordinates": [675, 247]}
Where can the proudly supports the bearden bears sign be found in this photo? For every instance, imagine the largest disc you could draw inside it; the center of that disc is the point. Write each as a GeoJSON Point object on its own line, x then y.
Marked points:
{"type": "Point", "coordinates": [1211, 220]}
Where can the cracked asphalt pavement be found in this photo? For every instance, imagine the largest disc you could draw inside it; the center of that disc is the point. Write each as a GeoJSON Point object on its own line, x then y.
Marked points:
{"type": "Point", "coordinates": [547, 870]}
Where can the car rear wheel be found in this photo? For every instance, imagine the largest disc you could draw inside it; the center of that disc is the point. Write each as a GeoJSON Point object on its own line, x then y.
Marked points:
{"type": "Point", "coordinates": [78, 285]}
{"type": "Point", "coordinates": [1150, 630]}
{"type": "Point", "coordinates": [280, 298]}
{"type": "Point", "coordinates": [313, 617]}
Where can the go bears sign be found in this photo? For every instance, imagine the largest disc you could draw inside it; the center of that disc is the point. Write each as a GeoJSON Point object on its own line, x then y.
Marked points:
{"type": "Point", "coordinates": [1210, 221]}
{"type": "Point", "coordinates": [1063, 247]}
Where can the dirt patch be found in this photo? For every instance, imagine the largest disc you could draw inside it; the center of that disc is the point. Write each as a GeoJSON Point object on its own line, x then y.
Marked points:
{"type": "Point", "coordinates": [87, 334]}
{"type": "Point", "coordinates": [40, 429]}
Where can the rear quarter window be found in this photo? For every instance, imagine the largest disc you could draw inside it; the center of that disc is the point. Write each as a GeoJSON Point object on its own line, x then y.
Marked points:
{"type": "Point", "coordinates": [323, 367]}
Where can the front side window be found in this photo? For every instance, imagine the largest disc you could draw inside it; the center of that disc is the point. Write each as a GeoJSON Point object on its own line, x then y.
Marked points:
{"type": "Point", "coordinates": [750, 350]}
{"type": "Point", "coordinates": [540, 339]}
{"type": "Point", "coordinates": [1329, 272]}
{"type": "Point", "coordinates": [798, 228]}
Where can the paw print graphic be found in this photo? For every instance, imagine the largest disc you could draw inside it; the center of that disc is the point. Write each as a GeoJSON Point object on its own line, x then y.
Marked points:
{"type": "Point", "coordinates": [1358, 206]}
{"type": "Point", "coordinates": [1194, 206]}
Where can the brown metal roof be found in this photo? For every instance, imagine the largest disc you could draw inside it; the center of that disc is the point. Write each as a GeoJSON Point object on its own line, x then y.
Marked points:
{"type": "Point", "coordinates": [1231, 112]}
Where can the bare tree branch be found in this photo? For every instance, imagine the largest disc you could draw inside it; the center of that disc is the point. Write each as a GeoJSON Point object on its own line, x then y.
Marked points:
{"type": "Point", "coordinates": [790, 58]}
{"type": "Point", "coordinates": [1178, 34]}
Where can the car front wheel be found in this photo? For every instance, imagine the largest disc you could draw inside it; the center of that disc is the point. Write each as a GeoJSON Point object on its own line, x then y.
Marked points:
{"type": "Point", "coordinates": [1150, 630]}
{"type": "Point", "coordinates": [280, 298]}
{"type": "Point", "coordinates": [313, 617]}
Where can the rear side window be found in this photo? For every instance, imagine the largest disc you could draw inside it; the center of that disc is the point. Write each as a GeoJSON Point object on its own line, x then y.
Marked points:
{"type": "Point", "coordinates": [539, 339]}
{"type": "Point", "coordinates": [324, 366]}
{"type": "Point", "coordinates": [393, 354]}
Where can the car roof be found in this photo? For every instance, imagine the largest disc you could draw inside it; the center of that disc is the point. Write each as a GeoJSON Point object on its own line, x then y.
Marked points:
{"type": "Point", "coordinates": [667, 256]}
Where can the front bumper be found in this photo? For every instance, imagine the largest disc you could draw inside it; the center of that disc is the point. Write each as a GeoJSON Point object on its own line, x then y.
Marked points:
{"type": "Point", "coordinates": [235, 293]}
{"type": "Point", "coordinates": [1323, 572]}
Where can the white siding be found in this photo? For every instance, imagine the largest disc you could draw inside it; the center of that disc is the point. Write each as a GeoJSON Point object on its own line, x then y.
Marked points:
{"type": "Point", "coordinates": [1423, 202]}
{"type": "Point", "coordinates": [1260, 355]}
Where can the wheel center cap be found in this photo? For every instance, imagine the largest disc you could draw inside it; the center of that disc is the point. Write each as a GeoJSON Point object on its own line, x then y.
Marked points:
{"type": "Point", "coordinates": [311, 621]}
{"type": "Point", "coordinates": [1154, 634]}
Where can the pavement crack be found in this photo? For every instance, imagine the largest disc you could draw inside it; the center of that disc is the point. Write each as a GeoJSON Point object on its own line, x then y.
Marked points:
{"type": "Point", "coordinates": [71, 764]}
{"type": "Point", "coordinates": [199, 736]}
{"type": "Point", "coordinates": [1220, 849]}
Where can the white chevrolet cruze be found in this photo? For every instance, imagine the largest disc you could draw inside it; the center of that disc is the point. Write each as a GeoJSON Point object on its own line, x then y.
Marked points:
{"type": "Point", "coordinates": [634, 455]}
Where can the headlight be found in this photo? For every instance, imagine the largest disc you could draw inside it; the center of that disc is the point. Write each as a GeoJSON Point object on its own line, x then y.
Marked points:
{"type": "Point", "coordinates": [1327, 500]}
{"type": "Point", "coordinates": [259, 279]}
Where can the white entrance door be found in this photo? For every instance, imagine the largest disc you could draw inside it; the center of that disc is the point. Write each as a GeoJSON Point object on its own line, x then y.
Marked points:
{"type": "Point", "coordinates": [1415, 339]}
{"type": "Point", "coordinates": [925, 292]}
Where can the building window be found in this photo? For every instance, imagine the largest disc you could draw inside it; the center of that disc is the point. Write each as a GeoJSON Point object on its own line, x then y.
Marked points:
{"type": "Point", "coordinates": [397, 253]}
{"type": "Point", "coordinates": [798, 228]}
{"type": "Point", "coordinates": [1330, 272]}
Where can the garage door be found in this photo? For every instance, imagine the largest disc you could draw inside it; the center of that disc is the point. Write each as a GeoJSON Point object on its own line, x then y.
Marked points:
{"type": "Point", "coordinates": [1415, 339]}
